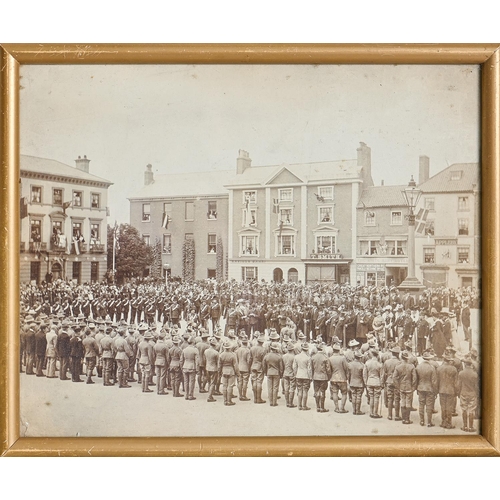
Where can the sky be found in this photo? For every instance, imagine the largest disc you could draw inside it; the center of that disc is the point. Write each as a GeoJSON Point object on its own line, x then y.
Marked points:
{"type": "Point", "coordinates": [194, 118]}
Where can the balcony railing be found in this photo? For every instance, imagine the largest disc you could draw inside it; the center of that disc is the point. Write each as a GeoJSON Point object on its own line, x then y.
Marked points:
{"type": "Point", "coordinates": [33, 247]}
{"type": "Point", "coordinates": [97, 248]}
{"type": "Point", "coordinates": [82, 247]}
{"type": "Point", "coordinates": [326, 256]}
{"type": "Point", "coordinates": [56, 247]}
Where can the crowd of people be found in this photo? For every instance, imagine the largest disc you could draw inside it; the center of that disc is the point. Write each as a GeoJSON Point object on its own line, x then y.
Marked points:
{"type": "Point", "coordinates": [348, 342]}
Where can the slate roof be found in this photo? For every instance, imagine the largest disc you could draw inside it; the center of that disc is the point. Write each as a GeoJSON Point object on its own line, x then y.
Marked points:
{"type": "Point", "coordinates": [54, 167]}
{"type": "Point", "coordinates": [443, 183]}
{"type": "Point", "coordinates": [190, 184]}
{"type": "Point", "coordinates": [382, 196]}
{"type": "Point", "coordinates": [306, 172]}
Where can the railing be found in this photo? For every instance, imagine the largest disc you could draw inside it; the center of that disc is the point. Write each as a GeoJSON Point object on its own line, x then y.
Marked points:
{"type": "Point", "coordinates": [97, 248]}
{"type": "Point", "coordinates": [33, 248]}
{"type": "Point", "coordinates": [326, 256]}
{"type": "Point", "coordinates": [55, 247]}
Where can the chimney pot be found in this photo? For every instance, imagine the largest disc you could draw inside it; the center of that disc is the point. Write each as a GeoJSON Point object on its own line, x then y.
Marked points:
{"type": "Point", "coordinates": [423, 168]}
{"type": "Point", "coordinates": [82, 163]}
{"type": "Point", "coordinates": [365, 161]}
{"type": "Point", "coordinates": [382, 182]}
{"type": "Point", "coordinates": [148, 175]}
{"type": "Point", "coordinates": [243, 161]}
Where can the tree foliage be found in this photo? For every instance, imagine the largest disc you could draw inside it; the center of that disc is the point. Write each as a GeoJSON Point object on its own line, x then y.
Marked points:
{"type": "Point", "coordinates": [132, 253]}
{"type": "Point", "coordinates": [156, 266]}
{"type": "Point", "coordinates": [219, 272]}
{"type": "Point", "coordinates": [188, 260]}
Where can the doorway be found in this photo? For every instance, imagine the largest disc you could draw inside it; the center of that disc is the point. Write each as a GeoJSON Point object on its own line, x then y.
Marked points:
{"type": "Point", "coordinates": [278, 275]}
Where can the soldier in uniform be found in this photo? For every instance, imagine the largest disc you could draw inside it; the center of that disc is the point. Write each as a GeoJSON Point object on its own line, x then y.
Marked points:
{"type": "Point", "coordinates": [146, 360]}
{"type": "Point", "coordinates": [426, 388]}
{"type": "Point", "coordinates": [162, 360]}
{"type": "Point", "coordinates": [190, 365]}
{"type": "Point", "coordinates": [107, 356]}
{"type": "Point", "coordinates": [202, 372]}
{"type": "Point", "coordinates": [373, 379]}
{"type": "Point", "coordinates": [257, 354]}
{"type": "Point", "coordinates": [123, 354]}
{"type": "Point", "coordinates": [405, 381]}
{"type": "Point", "coordinates": [321, 372]}
{"type": "Point", "coordinates": [302, 370]}
{"type": "Point", "coordinates": [63, 348]}
{"type": "Point", "coordinates": [40, 349]}
{"type": "Point", "coordinates": [91, 351]}
{"type": "Point", "coordinates": [338, 379]}
{"type": "Point", "coordinates": [243, 356]}
{"type": "Point", "coordinates": [391, 393]}
{"type": "Point", "coordinates": [356, 382]}
{"type": "Point", "coordinates": [447, 376]}
{"type": "Point", "coordinates": [76, 354]}
{"type": "Point", "coordinates": [215, 314]}
{"type": "Point", "coordinates": [228, 370]}
{"type": "Point", "coordinates": [211, 360]}
{"type": "Point", "coordinates": [51, 353]}
{"type": "Point", "coordinates": [468, 391]}
{"type": "Point", "coordinates": [273, 368]}
{"type": "Point", "coordinates": [289, 382]}
{"type": "Point", "coordinates": [175, 366]}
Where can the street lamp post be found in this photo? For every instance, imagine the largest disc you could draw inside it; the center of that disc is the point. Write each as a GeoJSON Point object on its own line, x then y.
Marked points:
{"type": "Point", "coordinates": [411, 195]}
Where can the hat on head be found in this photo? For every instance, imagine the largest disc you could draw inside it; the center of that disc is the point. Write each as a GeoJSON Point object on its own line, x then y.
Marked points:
{"type": "Point", "coordinates": [186, 334]}
{"type": "Point", "coordinates": [405, 355]}
{"type": "Point", "coordinates": [176, 339]}
{"type": "Point", "coordinates": [467, 360]}
{"type": "Point", "coordinates": [227, 345]}
{"type": "Point", "coordinates": [30, 319]}
{"type": "Point", "coordinates": [261, 338]}
{"type": "Point", "coordinates": [231, 333]}
{"type": "Point", "coordinates": [304, 346]}
{"type": "Point", "coordinates": [451, 349]}
{"type": "Point", "coordinates": [372, 342]}
{"type": "Point", "coordinates": [358, 354]}
{"type": "Point", "coordinates": [148, 335]}
{"type": "Point", "coordinates": [275, 346]}
{"type": "Point", "coordinates": [301, 336]}
{"type": "Point", "coordinates": [319, 346]}
{"type": "Point", "coordinates": [92, 326]}
{"type": "Point", "coordinates": [434, 310]}
{"type": "Point", "coordinates": [290, 346]}
{"type": "Point", "coordinates": [448, 356]}
{"type": "Point", "coordinates": [204, 334]}
{"type": "Point", "coordinates": [212, 341]}
{"type": "Point", "coordinates": [336, 347]}
{"type": "Point", "coordinates": [395, 349]}
{"type": "Point", "coordinates": [427, 355]}
{"type": "Point", "coordinates": [408, 344]}
{"type": "Point", "coordinates": [162, 334]}
{"type": "Point", "coordinates": [353, 343]}
{"type": "Point", "coordinates": [274, 335]}
{"type": "Point", "coordinates": [143, 327]}
{"type": "Point", "coordinates": [286, 337]}
{"type": "Point", "coordinates": [374, 352]}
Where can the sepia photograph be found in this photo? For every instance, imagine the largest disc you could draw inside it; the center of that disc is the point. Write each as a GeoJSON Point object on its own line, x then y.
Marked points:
{"type": "Point", "coordinates": [279, 250]}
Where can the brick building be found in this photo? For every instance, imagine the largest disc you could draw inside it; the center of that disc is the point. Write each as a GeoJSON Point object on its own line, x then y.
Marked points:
{"type": "Point", "coordinates": [176, 207]}
{"type": "Point", "coordinates": [64, 220]}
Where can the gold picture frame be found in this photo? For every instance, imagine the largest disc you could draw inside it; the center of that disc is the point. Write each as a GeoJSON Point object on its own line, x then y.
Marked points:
{"type": "Point", "coordinates": [487, 56]}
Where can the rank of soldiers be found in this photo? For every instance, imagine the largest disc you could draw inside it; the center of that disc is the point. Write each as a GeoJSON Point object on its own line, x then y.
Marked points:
{"type": "Point", "coordinates": [183, 357]}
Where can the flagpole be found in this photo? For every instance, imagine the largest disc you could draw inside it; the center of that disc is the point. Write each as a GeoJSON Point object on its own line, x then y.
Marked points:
{"type": "Point", "coordinates": [114, 252]}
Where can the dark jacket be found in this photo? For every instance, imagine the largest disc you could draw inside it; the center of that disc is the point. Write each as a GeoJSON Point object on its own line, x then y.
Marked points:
{"type": "Point", "coordinates": [63, 345]}
{"type": "Point", "coordinates": [76, 347]}
{"type": "Point", "coordinates": [447, 379]}
{"type": "Point", "coordinates": [40, 343]}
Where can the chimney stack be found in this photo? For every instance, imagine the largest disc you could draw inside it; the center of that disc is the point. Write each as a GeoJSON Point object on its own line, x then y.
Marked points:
{"type": "Point", "coordinates": [243, 161]}
{"type": "Point", "coordinates": [148, 175]}
{"type": "Point", "coordinates": [382, 182]}
{"type": "Point", "coordinates": [82, 163]}
{"type": "Point", "coordinates": [423, 168]}
{"type": "Point", "coordinates": [365, 161]}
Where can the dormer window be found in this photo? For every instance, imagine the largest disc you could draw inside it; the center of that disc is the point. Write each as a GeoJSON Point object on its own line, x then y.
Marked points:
{"type": "Point", "coordinates": [456, 175]}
